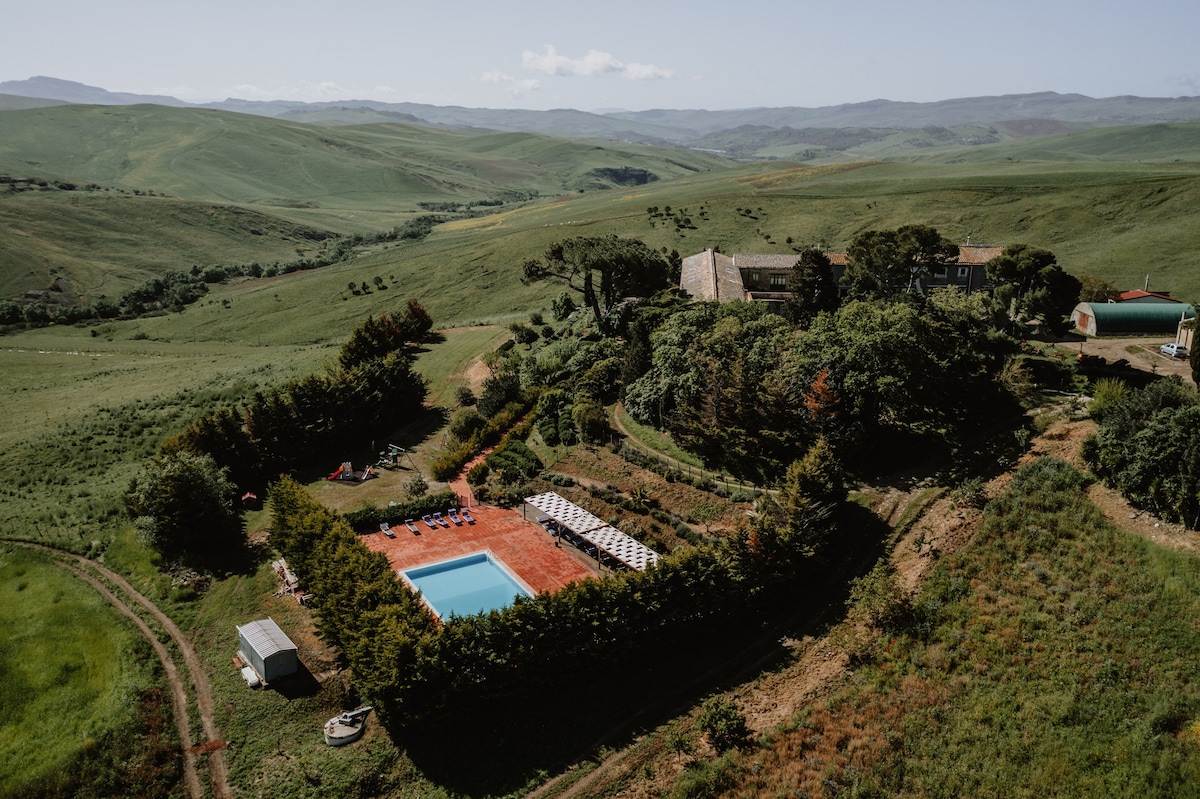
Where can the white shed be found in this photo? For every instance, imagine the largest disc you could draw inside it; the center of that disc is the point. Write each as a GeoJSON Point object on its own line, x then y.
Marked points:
{"type": "Point", "coordinates": [267, 649]}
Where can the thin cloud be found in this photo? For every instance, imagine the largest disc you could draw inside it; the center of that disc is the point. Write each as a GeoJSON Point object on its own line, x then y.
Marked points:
{"type": "Point", "coordinates": [306, 91]}
{"type": "Point", "coordinates": [595, 62]}
{"type": "Point", "coordinates": [515, 87]}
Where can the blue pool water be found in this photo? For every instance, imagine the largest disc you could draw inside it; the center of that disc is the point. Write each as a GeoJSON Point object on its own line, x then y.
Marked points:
{"type": "Point", "coordinates": [467, 585]}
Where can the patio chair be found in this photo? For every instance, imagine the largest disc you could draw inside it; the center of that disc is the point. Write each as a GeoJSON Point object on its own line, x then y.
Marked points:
{"type": "Point", "coordinates": [429, 521]}
{"type": "Point", "coordinates": [411, 526]}
{"type": "Point", "coordinates": [437, 517]}
{"type": "Point", "coordinates": [453, 514]}
{"type": "Point", "coordinates": [466, 515]}
{"type": "Point", "coordinates": [386, 529]}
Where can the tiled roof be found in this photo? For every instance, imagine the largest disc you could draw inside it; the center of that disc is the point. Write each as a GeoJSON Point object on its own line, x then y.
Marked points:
{"type": "Point", "coordinates": [710, 275]}
{"type": "Point", "coordinates": [763, 261]}
{"type": "Point", "coordinates": [977, 253]}
{"type": "Point", "coordinates": [1138, 294]}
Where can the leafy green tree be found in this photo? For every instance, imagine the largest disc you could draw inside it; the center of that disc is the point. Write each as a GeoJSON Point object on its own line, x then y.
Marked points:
{"type": "Point", "coordinates": [183, 506]}
{"type": "Point", "coordinates": [373, 338]}
{"type": "Point", "coordinates": [498, 390]}
{"type": "Point", "coordinates": [602, 269]}
{"type": "Point", "coordinates": [562, 306]}
{"type": "Point", "coordinates": [590, 420]}
{"type": "Point", "coordinates": [637, 360]}
{"type": "Point", "coordinates": [705, 512]}
{"type": "Point", "coordinates": [1094, 289]}
{"type": "Point", "coordinates": [465, 422]}
{"type": "Point", "coordinates": [1148, 446]}
{"type": "Point", "coordinates": [813, 289]}
{"type": "Point", "coordinates": [877, 598]}
{"type": "Point", "coordinates": [1031, 285]}
{"type": "Point", "coordinates": [881, 263]}
{"type": "Point", "coordinates": [223, 435]}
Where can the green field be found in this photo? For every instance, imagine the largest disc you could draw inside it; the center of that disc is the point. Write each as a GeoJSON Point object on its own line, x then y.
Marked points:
{"type": "Point", "coordinates": [86, 405]}
{"type": "Point", "coordinates": [71, 668]}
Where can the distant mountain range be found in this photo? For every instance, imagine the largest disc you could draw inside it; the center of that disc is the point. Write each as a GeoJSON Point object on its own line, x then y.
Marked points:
{"type": "Point", "coordinates": [663, 126]}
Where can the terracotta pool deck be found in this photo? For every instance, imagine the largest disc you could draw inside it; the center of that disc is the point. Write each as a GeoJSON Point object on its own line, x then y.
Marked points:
{"type": "Point", "coordinates": [521, 544]}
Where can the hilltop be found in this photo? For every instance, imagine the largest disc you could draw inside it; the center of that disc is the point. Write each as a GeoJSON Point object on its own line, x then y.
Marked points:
{"type": "Point", "coordinates": [684, 127]}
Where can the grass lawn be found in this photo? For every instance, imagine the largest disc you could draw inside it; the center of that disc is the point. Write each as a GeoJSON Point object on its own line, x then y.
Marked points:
{"type": "Point", "coordinates": [654, 440]}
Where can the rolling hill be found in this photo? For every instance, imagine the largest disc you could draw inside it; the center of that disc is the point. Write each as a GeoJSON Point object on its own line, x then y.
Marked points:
{"type": "Point", "coordinates": [128, 190]}
{"type": "Point", "coordinates": [683, 126]}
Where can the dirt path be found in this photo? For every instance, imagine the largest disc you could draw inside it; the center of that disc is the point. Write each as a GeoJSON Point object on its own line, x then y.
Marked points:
{"type": "Point", "coordinates": [214, 747]}
{"type": "Point", "coordinates": [637, 443]}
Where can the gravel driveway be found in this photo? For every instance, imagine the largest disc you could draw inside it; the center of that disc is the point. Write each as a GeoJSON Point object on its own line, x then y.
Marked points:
{"type": "Point", "coordinates": [1141, 352]}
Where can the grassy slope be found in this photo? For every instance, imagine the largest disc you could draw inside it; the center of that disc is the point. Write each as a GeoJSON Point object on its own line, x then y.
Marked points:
{"type": "Point", "coordinates": [64, 683]}
{"type": "Point", "coordinates": [1057, 660]}
{"type": "Point", "coordinates": [266, 177]}
{"type": "Point", "coordinates": [83, 410]}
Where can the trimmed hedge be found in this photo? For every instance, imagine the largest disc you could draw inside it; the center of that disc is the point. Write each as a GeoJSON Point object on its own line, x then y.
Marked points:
{"type": "Point", "coordinates": [367, 520]}
{"type": "Point", "coordinates": [415, 669]}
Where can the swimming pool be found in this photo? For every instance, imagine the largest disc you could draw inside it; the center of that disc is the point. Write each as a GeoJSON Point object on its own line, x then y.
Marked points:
{"type": "Point", "coordinates": [466, 585]}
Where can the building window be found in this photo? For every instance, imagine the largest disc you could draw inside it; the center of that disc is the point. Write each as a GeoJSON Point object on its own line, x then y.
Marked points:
{"type": "Point", "coordinates": [964, 272]}
{"type": "Point", "coordinates": [941, 273]}
{"type": "Point", "coordinates": [778, 281]}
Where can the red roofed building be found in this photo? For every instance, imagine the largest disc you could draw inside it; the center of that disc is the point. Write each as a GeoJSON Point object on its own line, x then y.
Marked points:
{"type": "Point", "coordinates": [1137, 295]}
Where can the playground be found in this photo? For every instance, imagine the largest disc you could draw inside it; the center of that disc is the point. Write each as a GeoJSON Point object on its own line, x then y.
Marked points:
{"type": "Point", "coordinates": [345, 474]}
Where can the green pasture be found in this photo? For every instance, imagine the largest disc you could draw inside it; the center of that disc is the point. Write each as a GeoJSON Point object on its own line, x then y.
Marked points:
{"type": "Point", "coordinates": [83, 412]}
{"type": "Point", "coordinates": [215, 187]}
{"type": "Point", "coordinates": [71, 668]}
{"type": "Point", "coordinates": [85, 406]}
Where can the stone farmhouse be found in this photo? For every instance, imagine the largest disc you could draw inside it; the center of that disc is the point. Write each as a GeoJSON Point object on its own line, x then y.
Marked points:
{"type": "Point", "coordinates": [711, 275]}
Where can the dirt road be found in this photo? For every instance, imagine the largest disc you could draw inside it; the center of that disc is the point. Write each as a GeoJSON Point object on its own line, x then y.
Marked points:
{"type": "Point", "coordinates": [1141, 352]}
{"type": "Point", "coordinates": [101, 579]}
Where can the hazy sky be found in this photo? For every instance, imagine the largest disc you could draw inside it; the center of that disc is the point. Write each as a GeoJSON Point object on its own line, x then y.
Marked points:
{"type": "Point", "coordinates": [608, 54]}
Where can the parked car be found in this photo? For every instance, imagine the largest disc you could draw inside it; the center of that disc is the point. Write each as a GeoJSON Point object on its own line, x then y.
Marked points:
{"type": "Point", "coordinates": [1174, 350]}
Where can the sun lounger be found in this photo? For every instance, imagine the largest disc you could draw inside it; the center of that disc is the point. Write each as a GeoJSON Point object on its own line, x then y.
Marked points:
{"type": "Point", "coordinates": [466, 515]}
{"type": "Point", "coordinates": [411, 525]}
{"type": "Point", "coordinates": [437, 517]}
{"type": "Point", "coordinates": [454, 516]}
{"type": "Point", "coordinates": [386, 529]}
{"type": "Point", "coordinates": [429, 521]}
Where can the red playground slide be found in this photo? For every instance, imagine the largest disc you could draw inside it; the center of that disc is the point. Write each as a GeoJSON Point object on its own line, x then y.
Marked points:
{"type": "Point", "coordinates": [336, 474]}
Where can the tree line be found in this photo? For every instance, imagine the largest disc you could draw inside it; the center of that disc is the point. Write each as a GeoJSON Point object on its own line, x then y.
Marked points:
{"type": "Point", "coordinates": [181, 500]}
{"type": "Point", "coordinates": [1028, 282]}
{"type": "Point", "coordinates": [1148, 446]}
{"type": "Point", "coordinates": [175, 290]}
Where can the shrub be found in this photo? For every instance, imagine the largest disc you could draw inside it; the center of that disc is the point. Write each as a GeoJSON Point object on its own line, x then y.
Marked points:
{"type": "Point", "coordinates": [477, 475]}
{"type": "Point", "coordinates": [723, 724]}
{"type": "Point", "coordinates": [416, 487]}
{"type": "Point", "coordinates": [465, 422]}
